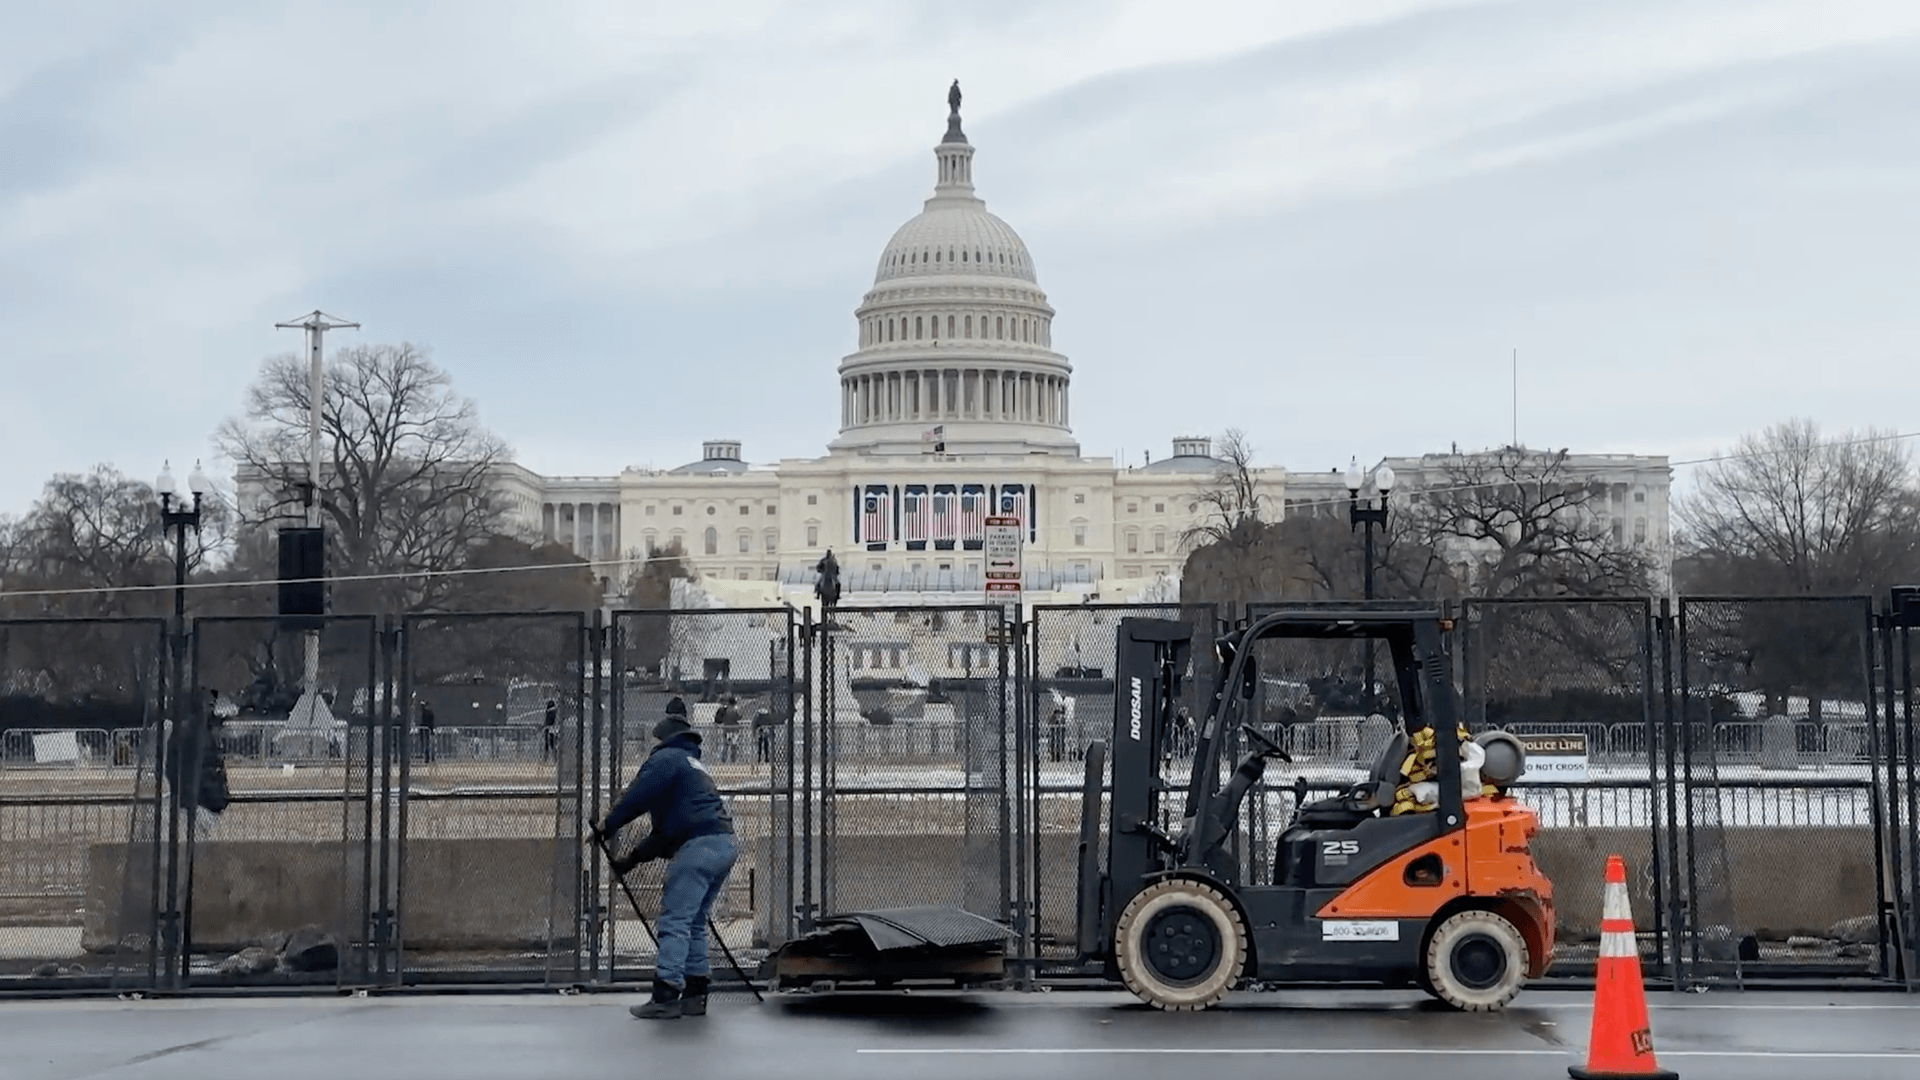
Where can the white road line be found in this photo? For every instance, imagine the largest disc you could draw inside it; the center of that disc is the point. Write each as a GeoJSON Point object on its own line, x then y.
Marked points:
{"type": "Point", "coordinates": [1651, 1004]}
{"type": "Point", "coordinates": [1358, 1051]}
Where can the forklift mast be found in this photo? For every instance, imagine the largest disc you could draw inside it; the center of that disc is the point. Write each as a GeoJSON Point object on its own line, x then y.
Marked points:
{"type": "Point", "coordinates": [1151, 655]}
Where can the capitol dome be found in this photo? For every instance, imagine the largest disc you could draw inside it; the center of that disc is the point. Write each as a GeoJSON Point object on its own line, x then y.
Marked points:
{"type": "Point", "coordinates": [956, 334]}
{"type": "Point", "coordinates": [949, 240]}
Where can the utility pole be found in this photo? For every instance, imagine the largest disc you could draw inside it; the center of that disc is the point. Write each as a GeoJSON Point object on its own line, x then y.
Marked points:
{"type": "Point", "coordinates": [307, 711]}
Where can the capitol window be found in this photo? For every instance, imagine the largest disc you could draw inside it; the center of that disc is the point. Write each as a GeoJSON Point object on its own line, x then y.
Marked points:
{"type": "Point", "coordinates": [677, 509]}
{"type": "Point", "coordinates": [969, 325]}
{"type": "Point", "coordinates": [1079, 536]}
{"type": "Point", "coordinates": [813, 536]}
{"type": "Point", "coordinates": [650, 509]}
{"type": "Point", "coordinates": [772, 509]}
{"type": "Point", "coordinates": [1159, 508]}
{"type": "Point", "coordinates": [712, 509]}
{"type": "Point", "coordinates": [1080, 497]}
{"type": "Point", "coordinates": [746, 542]}
{"type": "Point", "coordinates": [773, 541]}
{"type": "Point", "coordinates": [949, 326]}
{"type": "Point", "coordinates": [713, 540]}
{"type": "Point", "coordinates": [812, 500]}
{"type": "Point", "coordinates": [1133, 508]}
{"type": "Point", "coordinates": [917, 334]}
{"type": "Point", "coordinates": [745, 510]}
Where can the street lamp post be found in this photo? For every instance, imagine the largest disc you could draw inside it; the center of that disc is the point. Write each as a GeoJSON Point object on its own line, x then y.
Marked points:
{"type": "Point", "coordinates": [178, 520]}
{"type": "Point", "coordinates": [1366, 517]}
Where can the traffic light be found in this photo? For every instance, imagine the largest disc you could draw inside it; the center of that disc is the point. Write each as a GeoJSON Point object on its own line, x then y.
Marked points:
{"type": "Point", "coordinates": [303, 565]}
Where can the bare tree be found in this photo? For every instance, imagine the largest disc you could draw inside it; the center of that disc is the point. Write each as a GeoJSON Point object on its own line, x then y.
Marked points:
{"type": "Point", "coordinates": [1523, 523]}
{"type": "Point", "coordinates": [1793, 512]}
{"type": "Point", "coordinates": [1233, 504]}
{"type": "Point", "coordinates": [650, 588]}
{"type": "Point", "coordinates": [92, 547]}
{"type": "Point", "coordinates": [1234, 552]}
{"type": "Point", "coordinates": [96, 533]}
{"type": "Point", "coordinates": [406, 484]}
{"type": "Point", "coordinates": [1324, 561]}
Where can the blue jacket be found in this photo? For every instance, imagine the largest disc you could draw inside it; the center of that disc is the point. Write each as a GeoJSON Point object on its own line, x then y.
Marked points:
{"type": "Point", "coordinates": [676, 789]}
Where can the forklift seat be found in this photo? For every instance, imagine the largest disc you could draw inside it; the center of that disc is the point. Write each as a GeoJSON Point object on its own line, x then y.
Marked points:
{"type": "Point", "coordinates": [1365, 798]}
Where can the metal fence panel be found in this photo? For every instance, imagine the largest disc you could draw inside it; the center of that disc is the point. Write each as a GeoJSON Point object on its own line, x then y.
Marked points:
{"type": "Point", "coordinates": [1580, 666]}
{"type": "Point", "coordinates": [492, 858]}
{"type": "Point", "coordinates": [735, 671]}
{"type": "Point", "coordinates": [275, 885]}
{"type": "Point", "coordinates": [915, 715]}
{"type": "Point", "coordinates": [1759, 675]}
{"type": "Point", "coordinates": [81, 706]}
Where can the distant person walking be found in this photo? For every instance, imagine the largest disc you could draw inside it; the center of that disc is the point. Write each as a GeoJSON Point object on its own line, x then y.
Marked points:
{"type": "Point", "coordinates": [727, 719]}
{"type": "Point", "coordinates": [550, 731]}
{"type": "Point", "coordinates": [1057, 731]}
{"type": "Point", "coordinates": [427, 722]}
{"type": "Point", "coordinates": [764, 726]}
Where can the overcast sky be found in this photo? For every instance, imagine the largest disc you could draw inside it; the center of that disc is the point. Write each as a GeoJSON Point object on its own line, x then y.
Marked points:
{"type": "Point", "coordinates": [624, 227]}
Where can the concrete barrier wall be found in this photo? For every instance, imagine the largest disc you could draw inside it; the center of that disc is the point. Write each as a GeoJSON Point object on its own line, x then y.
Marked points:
{"type": "Point", "coordinates": [461, 894]}
{"type": "Point", "coordinates": [1785, 881]}
{"type": "Point", "coordinates": [500, 893]}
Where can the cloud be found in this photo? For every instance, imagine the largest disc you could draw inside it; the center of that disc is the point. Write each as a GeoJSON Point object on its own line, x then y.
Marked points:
{"type": "Point", "coordinates": [626, 227]}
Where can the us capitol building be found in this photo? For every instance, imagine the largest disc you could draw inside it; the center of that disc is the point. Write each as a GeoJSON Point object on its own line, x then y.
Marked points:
{"type": "Point", "coordinates": [954, 407]}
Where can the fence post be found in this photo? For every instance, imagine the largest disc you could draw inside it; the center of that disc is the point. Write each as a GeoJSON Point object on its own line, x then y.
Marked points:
{"type": "Point", "coordinates": [806, 769]}
{"type": "Point", "coordinates": [1662, 932]}
{"type": "Point", "coordinates": [591, 912]}
{"type": "Point", "coordinates": [1676, 907]}
{"type": "Point", "coordinates": [1886, 891]}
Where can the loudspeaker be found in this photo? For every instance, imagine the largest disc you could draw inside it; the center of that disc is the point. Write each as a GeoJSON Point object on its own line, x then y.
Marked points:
{"type": "Point", "coordinates": [1904, 603]}
{"type": "Point", "coordinates": [303, 563]}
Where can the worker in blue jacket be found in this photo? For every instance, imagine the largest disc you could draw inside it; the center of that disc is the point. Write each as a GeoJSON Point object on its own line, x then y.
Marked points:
{"type": "Point", "coordinates": [693, 831]}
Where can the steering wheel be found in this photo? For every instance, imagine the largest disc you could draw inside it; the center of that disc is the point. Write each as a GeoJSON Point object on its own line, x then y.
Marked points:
{"type": "Point", "coordinates": [1268, 748]}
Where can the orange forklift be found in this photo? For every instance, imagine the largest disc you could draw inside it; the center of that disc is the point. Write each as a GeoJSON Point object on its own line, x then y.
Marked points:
{"type": "Point", "coordinates": [1446, 897]}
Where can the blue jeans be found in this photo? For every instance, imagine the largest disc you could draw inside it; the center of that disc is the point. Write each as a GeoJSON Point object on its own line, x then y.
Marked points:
{"type": "Point", "coordinates": [695, 876]}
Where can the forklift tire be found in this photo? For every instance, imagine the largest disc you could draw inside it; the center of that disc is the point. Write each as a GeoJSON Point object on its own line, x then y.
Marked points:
{"type": "Point", "coordinates": [1180, 945]}
{"type": "Point", "coordinates": [1476, 962]}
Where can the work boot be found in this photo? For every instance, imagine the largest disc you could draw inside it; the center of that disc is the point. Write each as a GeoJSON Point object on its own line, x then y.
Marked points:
{"type": "Point", "coordinates": [694, 1001]}
{"type": "Point", "coordinates": [664, 1006]}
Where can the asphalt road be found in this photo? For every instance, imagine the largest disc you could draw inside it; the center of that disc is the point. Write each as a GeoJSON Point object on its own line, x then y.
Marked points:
{"type": "Point", "coordinates": [1067, 1034]}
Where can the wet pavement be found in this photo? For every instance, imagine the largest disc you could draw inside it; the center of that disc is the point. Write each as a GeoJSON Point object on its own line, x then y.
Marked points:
{"type": "Point", "coordinates": [1064, 1034]}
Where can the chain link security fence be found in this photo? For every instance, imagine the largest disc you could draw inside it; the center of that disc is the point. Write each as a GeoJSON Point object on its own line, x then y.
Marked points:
{"type": "Point", "coordinates": [81, 708]}
{"type": "Point", "coordinates": [422, 818]}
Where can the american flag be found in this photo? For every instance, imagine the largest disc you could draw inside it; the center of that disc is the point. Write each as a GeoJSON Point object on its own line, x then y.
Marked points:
{"type": "Point", "coordinates": [973, 515]}
{"type": "Point", "coordinates": [945, 520]}
{"type": "Point", "coordinates": [913, 506]}
{"type": "Point", "coordinates": [875, 523]}
{"type": "Point", "coordinates": [1013, 503]}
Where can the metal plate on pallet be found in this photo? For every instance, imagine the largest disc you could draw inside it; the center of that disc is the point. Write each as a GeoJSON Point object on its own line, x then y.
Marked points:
{"type": "Point", "coordinates": [943, 927]}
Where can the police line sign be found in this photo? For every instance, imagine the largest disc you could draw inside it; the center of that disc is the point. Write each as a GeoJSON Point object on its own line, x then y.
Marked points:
{"type": "Point", "coordinates": [1555, 757]}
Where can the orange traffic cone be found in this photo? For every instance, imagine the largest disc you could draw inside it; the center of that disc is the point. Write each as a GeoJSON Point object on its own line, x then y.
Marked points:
{"type": "Point", "coordinates": [1621, 1044]}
